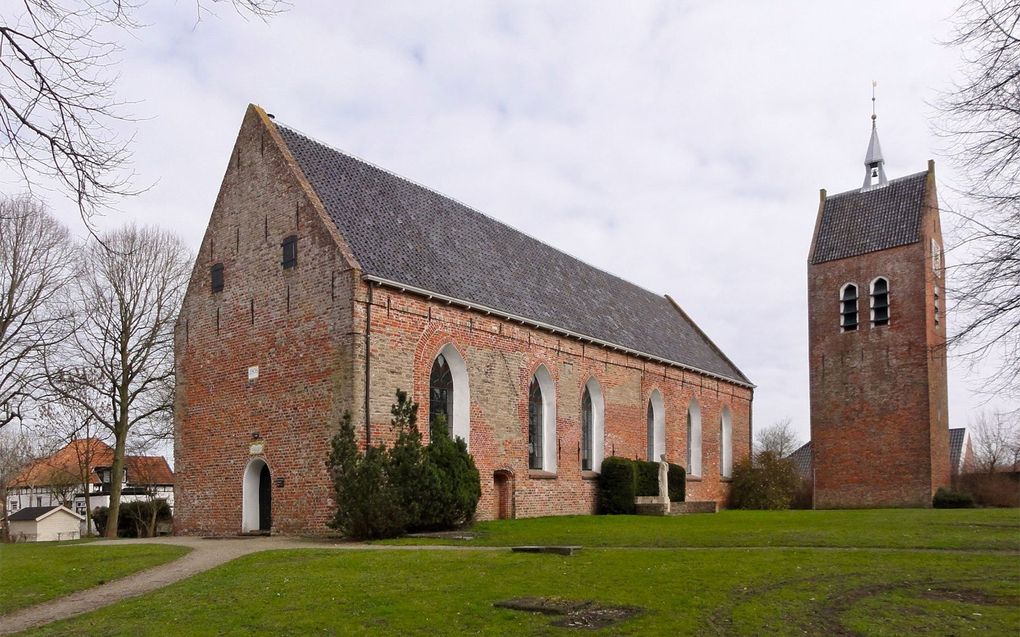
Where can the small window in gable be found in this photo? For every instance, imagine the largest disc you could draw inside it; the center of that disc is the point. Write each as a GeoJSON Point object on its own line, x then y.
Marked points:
{"type": "Point", "coordinates": [217, 277]}
{"type": "Point", "coordinates": [848, 308]}
{"type": "Point", "coordinates": [880, 301]}
{"type": "Point", "coordinates": [289, 251]}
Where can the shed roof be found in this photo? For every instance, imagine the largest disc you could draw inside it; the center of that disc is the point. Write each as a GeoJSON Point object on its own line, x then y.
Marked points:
{"type": "Point", "coordinates": [404, 233]}
{"type": "Point", "coordinates": [860, 221]}
{"type": "Point", "coordinates": [34, 514]}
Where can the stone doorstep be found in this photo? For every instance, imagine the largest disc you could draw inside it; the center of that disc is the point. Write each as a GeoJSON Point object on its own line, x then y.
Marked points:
{"type": "Point", "coordinates": [681, 508]}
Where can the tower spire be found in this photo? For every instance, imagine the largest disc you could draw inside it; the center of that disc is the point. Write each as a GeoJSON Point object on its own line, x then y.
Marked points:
{"type": "Point", "coordinates": [874, 163]}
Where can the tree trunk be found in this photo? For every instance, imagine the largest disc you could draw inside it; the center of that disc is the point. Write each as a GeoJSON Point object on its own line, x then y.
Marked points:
{"type": "Point", "coordinates": [116, 482]}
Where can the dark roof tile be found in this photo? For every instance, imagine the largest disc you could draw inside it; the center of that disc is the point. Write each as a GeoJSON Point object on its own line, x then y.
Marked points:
{"type": "Point", "coordinates": [857, 222]}
{"type": "Point", "coordinates": [405, 233]}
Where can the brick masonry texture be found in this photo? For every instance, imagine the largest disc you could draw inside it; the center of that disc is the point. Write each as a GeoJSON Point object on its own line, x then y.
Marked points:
{"type": "Point", "coordinates": [307, 335]}
{"type": "Point", "coordinates": [879, 406]}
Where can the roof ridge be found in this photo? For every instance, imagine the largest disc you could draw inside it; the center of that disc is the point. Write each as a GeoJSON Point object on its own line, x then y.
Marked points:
{"type": "Point", "coordinates": [858, 191]}
{"type": "Point", "coordinates": [461, 203]}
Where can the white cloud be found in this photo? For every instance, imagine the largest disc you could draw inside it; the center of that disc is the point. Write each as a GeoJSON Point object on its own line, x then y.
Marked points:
{"type": "Point", "coordinates": [680, 146]}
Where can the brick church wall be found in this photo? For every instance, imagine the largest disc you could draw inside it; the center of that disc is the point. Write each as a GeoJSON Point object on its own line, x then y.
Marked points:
{"type": "Point", "coordinates": [408, 331]}
{"type": "Point", "coordinates": [305, 330]}
{"type": "Point", "coordinates": [294, 324]}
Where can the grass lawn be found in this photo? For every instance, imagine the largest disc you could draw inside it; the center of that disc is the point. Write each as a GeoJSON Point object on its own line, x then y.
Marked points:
{"type": "Point", "coordinates": [36, 572]}
{"type": "Point", "coordinates": [712, 591]}
{"type": "Point", "coordinates": [996, 529]}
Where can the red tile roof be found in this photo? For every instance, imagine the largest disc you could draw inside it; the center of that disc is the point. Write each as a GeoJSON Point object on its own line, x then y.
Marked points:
{"type": "Point", "coordinates": [63, 465]}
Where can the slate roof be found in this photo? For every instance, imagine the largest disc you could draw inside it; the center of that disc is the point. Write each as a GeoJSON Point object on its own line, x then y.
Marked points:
{"type": "Point", "coordinates": [28, 514]}
{"type": "Point", "coordinates": [402, 232]}
{"type": "Point", "coordinates": [956, 437]}
{"type": "Point", "coordinates": [802, 460]}
{"type": "Point", "coordinates": [857, 222]}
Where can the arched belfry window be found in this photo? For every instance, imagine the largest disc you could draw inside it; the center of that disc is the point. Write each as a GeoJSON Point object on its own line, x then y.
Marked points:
{"type": "Point", "coordinates": [449, 394]}
{"type": "Point", "coordinates": [848, 308]}
{"type": "Point", "coordinates": [656, 427]}
{"type": "Point", "coordinates": [880, 301]}
{"type": "Point", "coordinates": [542, 422]}
{"type": "Point", "coordinates": [694, 439]}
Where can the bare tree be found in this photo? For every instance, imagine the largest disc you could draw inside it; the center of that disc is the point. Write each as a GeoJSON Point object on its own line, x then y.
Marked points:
{"type": "Point", "coordinates": [118, 365]}
{"type": "Point", "coordinates": [66, 422]}
{"type": "Point", "coordinates": [58, 106]}
{"type": "Point", "coordinates": [36, 264]}
{"type": "Point", "coordinates": [778, 438]}
{"type": "Point", "coordinates": [16, 453]}
{"type": "Point", "coordinates": [995, 439]}
{"type": "Point", "coordinates": [982, 125]}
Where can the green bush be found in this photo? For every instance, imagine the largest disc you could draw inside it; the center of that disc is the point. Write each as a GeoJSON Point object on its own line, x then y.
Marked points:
{"type": "Point", "coordinates": [367, 504]}
{"type": "Point", "coordinates": [952, 499]}
{"type": "Point", "coordinates": [385, 492]}
{"type": "Point", "coordinates": [450, 471]}
{"type": "Point", "coordinates": [646, 476]}
{"type": "Point", "coordinates": [136, 519]}
{"type": "Point", "coordinates": [617, 486]}
{"type": "Point", "coordinates": [769, 482]}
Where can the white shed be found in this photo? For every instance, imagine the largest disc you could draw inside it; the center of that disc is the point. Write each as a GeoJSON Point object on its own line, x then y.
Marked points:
{"type": "Point", "coordinates": [44, 524]}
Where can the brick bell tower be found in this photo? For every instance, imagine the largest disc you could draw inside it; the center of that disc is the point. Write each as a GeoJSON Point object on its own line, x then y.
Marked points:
{"type": "Point", "coordinates": [879, 404]}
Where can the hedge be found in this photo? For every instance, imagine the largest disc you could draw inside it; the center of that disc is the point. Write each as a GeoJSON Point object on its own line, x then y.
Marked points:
{"type": "Point", "coordinates": [621, 480]}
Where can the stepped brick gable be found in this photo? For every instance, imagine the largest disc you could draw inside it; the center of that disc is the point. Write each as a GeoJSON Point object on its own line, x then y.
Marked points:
{"type": "Point", "coordinates": [324, 284]}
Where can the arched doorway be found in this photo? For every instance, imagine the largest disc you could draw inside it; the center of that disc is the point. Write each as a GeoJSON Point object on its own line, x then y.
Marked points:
{"type": "Point", "coordinates": [503, 483]}
{"type": "Point", "coordinates": [257, 498]}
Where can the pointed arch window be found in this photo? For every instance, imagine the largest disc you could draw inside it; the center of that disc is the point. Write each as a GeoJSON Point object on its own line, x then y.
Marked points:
{"type": "Point", "coordinates": [449, 394]}
{"type": "Point", "coordinates": [694, 439]}
{"type": "Point", "coordinates": [880, 301]}
{"type": "Point", "coordinates": [726, 443]}
{"type": "Point", "coordinates": [535, 425]}
{"type": "Point", "coordinates": [848, 308]}
{"type": "Point", "coordinates": [587, 424]}
{"type": "Point", "coordinates": [441, 393]}
{"type": "Point", "coordinates": [656, 427]}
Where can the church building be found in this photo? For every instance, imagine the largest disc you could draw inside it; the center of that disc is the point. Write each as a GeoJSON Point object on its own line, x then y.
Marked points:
{"type": "Point", "coordinates": [324, 284]}
{"type": "Point", "coordinates": [877, 334]}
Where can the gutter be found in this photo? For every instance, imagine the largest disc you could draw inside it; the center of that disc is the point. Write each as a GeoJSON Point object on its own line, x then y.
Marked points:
{"type": "Point", "coordinates": [403, 287]}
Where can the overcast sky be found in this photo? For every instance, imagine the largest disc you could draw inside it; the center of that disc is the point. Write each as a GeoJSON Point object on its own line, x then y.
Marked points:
{"type": "Point", "coordinates": [678, 145]}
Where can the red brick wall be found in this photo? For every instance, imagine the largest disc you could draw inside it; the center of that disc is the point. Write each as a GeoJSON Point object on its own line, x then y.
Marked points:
{"type": "Point", "coordinates": [308, 339]}
{"type": "Point", "coordinates": [299, 339]}
{"type": "Point", "coordinates": [878, 395]}
{"type": "Point", "coordinates": [408, 331]}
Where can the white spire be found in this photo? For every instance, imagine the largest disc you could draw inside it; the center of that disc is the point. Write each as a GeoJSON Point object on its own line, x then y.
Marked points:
{"type": "Point", "coordinates": [874, 163]}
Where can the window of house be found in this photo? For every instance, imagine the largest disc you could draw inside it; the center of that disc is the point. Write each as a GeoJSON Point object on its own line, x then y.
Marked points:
{"type": "Point", "coordinates": [13, 506]}
{"type": "Point", "coordinates": [289, 246]}
{"type": "Point", "coordinates": [441, 394]}
{"type": "Point", "coordinates": [880, 301]}
{"type": "Point", "coordinates": [38, 500]}
{"type": "Point", "coordinates": [848, 308]}
{"type": "Point", "coordinates": [694, 439]}
{"type": "Point", "coordinates": [217, 277]}
{"type": "Point", "coordinates": [536, 443]}
{"type": "Point", "coordinates": [726, 443]}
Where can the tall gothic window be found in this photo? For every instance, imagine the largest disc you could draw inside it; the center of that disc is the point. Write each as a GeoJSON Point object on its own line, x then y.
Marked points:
{"type": "Point", "coordinates": [880, 301]}
{"type": "Point", "coordinates": [535, 418]}
{"type": "Point", "coordinates": [694, 439]}
{"type": "Point", "coordinates": [848, 308]}
{"type": "Point", "coordinates": [441, 393]}
{"type": "Point", "coordinates": [587, 425]}
{"type": "Point", "coordinates": [651, 432]}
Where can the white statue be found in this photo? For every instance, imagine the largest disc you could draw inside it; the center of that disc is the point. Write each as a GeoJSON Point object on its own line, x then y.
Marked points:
{"type": "Point", "coordinates": [663, 478]}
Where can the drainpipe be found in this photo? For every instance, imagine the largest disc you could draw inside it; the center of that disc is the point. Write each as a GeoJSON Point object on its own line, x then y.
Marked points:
{"type": "Point", "coordinates": [368, 367]}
